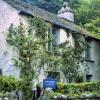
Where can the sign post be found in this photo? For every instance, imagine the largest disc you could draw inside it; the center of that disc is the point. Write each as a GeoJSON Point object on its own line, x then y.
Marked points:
{"type": "Point", "coordinates": [49, 83]}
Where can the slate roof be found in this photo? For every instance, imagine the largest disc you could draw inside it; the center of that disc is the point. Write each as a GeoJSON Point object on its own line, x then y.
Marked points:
{"type": "Point", "coordinates": [47, 16]}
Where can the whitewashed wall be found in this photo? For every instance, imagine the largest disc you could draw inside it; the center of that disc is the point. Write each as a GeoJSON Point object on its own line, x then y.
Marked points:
{"type": "Point", "coordinates": [8, 15]}
{"type": "Point", "coordinates": [62, 36]}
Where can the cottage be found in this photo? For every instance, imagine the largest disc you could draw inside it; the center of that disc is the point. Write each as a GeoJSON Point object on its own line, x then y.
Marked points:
{"type": "Point", "coordinates": [12, 11]}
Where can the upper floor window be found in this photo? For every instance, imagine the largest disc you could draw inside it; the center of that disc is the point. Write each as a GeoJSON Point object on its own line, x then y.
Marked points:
{"type": "Point", "coordinates": [52, 42]}
{"type": "Point", "coordinates": [49, 44]}
{"type": "Point", "coordinates": [87, 50]}
{"type": "Point", "coordinates": [54, 33]}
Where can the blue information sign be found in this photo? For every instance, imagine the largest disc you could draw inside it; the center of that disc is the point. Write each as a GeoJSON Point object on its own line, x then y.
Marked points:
{"type": "Point", "coordinates": [49, 83]}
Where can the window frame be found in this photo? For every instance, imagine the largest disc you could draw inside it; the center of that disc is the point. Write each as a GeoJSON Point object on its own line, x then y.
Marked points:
{"type": "Point", "coordinates": [87, 50]}
{"type": "Point", "coordinates": [54, 73]}
{"type": "Point", "coordinates": [89, 77]}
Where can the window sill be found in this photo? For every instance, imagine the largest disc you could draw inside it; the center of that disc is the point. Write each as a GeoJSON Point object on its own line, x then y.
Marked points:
{"type": "Point", "coordinates": [88, 60]}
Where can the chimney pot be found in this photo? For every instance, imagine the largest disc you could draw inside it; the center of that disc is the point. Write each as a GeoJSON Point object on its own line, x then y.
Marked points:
{"type": "Point", "coordinates": [66, 12]}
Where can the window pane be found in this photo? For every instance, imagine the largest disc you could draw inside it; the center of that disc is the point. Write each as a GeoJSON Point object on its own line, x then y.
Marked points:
{"type": "Point", "coordinates": [89, 78]}
{"type": "Point", "coordinates": [87, 51]}
{"type": "Point", "coordinates": [0, 72]}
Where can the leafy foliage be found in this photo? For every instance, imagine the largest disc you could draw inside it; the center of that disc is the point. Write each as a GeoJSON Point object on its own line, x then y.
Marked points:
{"type": "Point", "coordinates": [71, 59]}
{"type": "Point", "coordinates": [8, 84]}
{"type": "Point", "coordinates": [78, 88]}
{"type": "Point", "coordinates": [94, 27]}
{"type": "Point", "coordinates": [29, 45]}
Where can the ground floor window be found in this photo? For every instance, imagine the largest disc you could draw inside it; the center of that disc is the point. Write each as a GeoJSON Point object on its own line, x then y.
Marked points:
{"type": "Point", "coordinates": [89, 78]}
{"type": "Point", "coordinates": [54, 75]}
{"type": "Point", "coordinates": [0, 71]}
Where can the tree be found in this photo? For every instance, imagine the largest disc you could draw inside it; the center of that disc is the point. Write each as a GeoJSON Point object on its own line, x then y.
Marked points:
{"type": "Point", "coordinates": [87, 11]}
{"type": "Point", "coordinates": [71, 59]}
{"type": "Point", "coordinates": [30, 50]}
{"type": "Point", "coordinates": [94, 27]}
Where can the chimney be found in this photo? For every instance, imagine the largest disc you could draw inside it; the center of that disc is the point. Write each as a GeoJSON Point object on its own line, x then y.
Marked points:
{"type": "Point", "coordinates": [66, 12]}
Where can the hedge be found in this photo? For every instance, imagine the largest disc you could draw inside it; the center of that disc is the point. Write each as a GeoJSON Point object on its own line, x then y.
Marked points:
{"type": "Point", "coordinates": [78, 88]}
{"type": "Point", "coordinates": [8, 83]}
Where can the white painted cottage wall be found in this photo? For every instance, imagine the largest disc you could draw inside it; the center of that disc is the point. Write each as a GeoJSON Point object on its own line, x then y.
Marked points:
{"type": "Point", "coordinates": [62, 36]}
{"type": "Point", "coordinates": [8, 15]}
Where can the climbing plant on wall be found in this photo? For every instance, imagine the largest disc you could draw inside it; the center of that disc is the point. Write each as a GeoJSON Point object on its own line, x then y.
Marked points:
{"type": "Point", "coordinates": [72, 58]}
{"type": "Point", "coordinates": [29, 42]}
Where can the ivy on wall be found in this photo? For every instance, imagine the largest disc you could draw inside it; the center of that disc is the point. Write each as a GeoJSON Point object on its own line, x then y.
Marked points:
{"type": "Point", "coordinates": [29, 48]}
{"type": "Point", "coordinates": [30, 43]}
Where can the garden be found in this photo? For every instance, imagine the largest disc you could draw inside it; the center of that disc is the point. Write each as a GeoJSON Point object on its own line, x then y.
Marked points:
{"type": "Point", "coordinates": [11, 88]}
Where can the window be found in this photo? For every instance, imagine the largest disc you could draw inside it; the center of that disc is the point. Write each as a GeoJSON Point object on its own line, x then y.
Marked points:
{"type": "Point", "coordinates": [54, 36]}
{"type": "Point", "coordinates": [54, 75]}
{"type": "Point", "coordinates": [49, 44]}
{"type": "Point", "coordinates": [52, 43]}
{"type": "Point", "coordinates": [87, 50]}
{"type": "Point", "coordinates": [89, 78]}
{"type": "Point", "coordinates": [0, 71]}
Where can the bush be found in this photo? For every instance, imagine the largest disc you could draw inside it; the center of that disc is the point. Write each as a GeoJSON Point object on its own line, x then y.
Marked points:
{"type": "Point", "coordinates": [79, 79]}
{"type": "Point", "coordinates": [78, 88]}
{"type": "Point", "coordinates": [8, 83]}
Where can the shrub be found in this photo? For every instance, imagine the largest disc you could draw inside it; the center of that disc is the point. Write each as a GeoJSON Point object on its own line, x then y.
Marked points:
{"type": "Point", "coordinates": [8, 83]}
{"type": "Point", "coordinates": [79, 79]}
{"type": "Point", "coordinates": [78, 88]}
